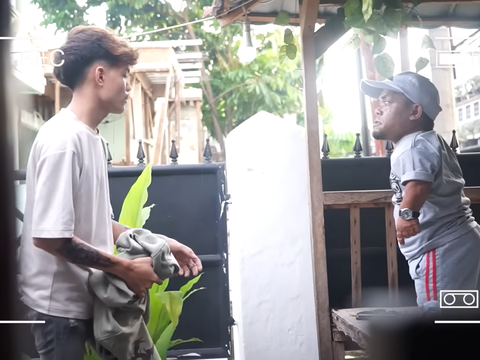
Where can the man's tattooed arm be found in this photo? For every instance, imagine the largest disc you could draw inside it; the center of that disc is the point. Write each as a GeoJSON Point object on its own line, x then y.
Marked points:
{"type": "Point", "coordinates": [80, 253]}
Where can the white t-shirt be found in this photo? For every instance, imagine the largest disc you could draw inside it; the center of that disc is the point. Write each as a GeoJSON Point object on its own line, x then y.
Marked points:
{"type": "Point", "coordinates": [67, 194]}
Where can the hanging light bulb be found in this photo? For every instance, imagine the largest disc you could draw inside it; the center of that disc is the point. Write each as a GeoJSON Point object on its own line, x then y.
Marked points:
{"type": "Point", "coordinates": [246, 52]}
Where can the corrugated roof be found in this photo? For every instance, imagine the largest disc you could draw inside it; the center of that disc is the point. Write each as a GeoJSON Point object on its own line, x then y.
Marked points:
{"type": "Point", "coordinates": [433, 14]}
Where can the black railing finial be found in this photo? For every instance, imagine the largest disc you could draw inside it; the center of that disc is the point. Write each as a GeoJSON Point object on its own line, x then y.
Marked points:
{"type": "Point", "coordinates": [207, 153]}
{"type": "Point", "coordinates": [325, 148]}
{"type": "Point", "coordinates": [389, 148]}
{"type": "Point", "coordinates": [357, 147]}
{"type": "Point", "coordinates": [454, 142]}
{"type": "Point", "coordinates": [173, 154]}
{"type": "Point", "coordinates": [140, 153]}
{"type": "Point", "coordinates": [109, 156]}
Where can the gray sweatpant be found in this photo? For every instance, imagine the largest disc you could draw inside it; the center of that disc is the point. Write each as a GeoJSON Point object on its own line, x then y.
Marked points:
{"type": "Point", "coordinates": [453, 266]}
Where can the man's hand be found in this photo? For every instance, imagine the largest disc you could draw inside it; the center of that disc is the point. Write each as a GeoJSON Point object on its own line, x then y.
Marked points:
{"type": "Point", "coordinates": [189, 263]}
{"type": "Point", "coordinates": [140, 275]}
{"type": "Point", "coordinates": [406, 229]}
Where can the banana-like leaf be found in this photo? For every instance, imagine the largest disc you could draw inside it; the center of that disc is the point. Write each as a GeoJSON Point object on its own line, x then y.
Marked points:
{"type": "Point", "coordinates": [193, 292]}
{"type": "Point", "coordinates": [146, 214]}
{"type": "Point", "coordinates": [179, 341]}
{"type": "Point", "coordinates": [173, 303]}
{"type": "Point", "coordinates": [131, 214]}
{"type": "Point", "coordinates": [188, 286]}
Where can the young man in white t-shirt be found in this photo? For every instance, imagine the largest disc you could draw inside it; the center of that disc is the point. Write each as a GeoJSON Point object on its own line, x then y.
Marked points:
{"type": "Point", "coordinates": [68, 230]}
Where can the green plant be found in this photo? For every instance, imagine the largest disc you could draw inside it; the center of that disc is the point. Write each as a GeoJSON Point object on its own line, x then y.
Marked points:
{"type": "Point", "coordinates": [374, 20]}
{"type": "Point", "coordinates": [165, 306]}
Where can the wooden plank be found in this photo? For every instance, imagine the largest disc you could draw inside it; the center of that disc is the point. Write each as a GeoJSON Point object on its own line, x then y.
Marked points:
{"type": "Point", "coordinates": [308, 17]}
{"type": "Point", "coordinates": [178, 115]}
{"type": "Point", "coordinates": [142, 78]}
{"type": "Point", "coordinates": [355, 256]}
{"type": "Point", "coordinates": [198, 110]}
{"type": "Point", "coordinates": [316, 196]}
{"type": "Point", "coordinates": [162, 118]}
{"type": "Point", "coordinates": [128, 125]}
{"type": "Point", "coordinates": [345, 321]}
{"type": "Point", "coordinates": [391, 246]}
{"type": "Point", "coordinates": [233, 15]}
{"type": "Point", "coordinates": [366, 198]}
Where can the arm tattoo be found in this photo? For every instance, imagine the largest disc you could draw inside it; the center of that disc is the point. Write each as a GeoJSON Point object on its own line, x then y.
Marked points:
{"type": "Point", "coordinates": [79, 253]}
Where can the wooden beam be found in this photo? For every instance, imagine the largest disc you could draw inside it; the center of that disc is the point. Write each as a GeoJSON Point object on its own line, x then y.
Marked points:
{"type": "Point", "coordinates": [127, 130]}
{"type": "Point", "coordinates": [363, 198]}
{"type": "Point", "coordinates": [231, 16]}
{"type": "Point", "coordinates": [178, 114]}
{"type": "Point", "coordinates": [162, 118]}
{"type": "Point", "coordinates": [145, 83]}
{"type": "Point", "coordinates": [308, 16]}
{"type": "Point", "coordinates": [319, 256]}
{"type": "Point", "coordinates": [198, 110]}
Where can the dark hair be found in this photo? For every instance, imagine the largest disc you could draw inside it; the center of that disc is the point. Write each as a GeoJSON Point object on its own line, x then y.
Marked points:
{"type": "Point", "coordinates": [86, 45]}
{"type": "Point", "coordinates": [426, 122]}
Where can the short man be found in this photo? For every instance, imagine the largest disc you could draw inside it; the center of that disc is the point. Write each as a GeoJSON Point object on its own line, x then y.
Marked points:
{"type": "Point", "coordinates": [68, 230]}
{"type": "Point", "coordinates": [436, 231]}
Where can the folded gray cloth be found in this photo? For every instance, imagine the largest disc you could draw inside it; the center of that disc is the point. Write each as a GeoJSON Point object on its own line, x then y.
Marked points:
{"type": "Point", "coordinates": [120, 318]}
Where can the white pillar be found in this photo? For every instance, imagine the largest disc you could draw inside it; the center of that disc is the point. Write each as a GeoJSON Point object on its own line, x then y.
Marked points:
{"type": "Point", "coordinates": [271, 275]}
{"type": "Point", "coordinates": [443, 80]}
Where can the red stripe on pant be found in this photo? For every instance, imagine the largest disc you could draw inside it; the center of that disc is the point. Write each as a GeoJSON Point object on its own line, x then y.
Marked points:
{"type": "Point", "coordinates": [433, 267]}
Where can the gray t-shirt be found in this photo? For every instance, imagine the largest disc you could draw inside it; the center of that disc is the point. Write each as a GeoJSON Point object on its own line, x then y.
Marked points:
{"type": "Point", "coordinates": [446, 215]}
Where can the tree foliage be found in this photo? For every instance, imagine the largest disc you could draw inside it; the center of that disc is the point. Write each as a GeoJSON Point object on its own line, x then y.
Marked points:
{"type": "Point", "coordinates": [232, 91]}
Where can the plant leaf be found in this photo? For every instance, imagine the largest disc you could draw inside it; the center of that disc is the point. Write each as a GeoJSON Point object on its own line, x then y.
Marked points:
{"type": "Point", "coordinates": [367, 9]}
{"type": "Point", "coordinates": [384, 65]}
{"type": "Point", "coordinates": [173, 303]}
{"type": "Point", "coordinates": [353, 43]}
{"type": "Point", "coordinates": [178, 342]}
{"type": "Point", "coordinates": [379, 45]}
{"type": "Point", "coordinates": [145, 215]}
{"type": "Point", "coordinates": [136, 198]}
{"type": "Point", "coordinates": [282, 53]}
{"type": "Point", "coordinates": [421, 63]}
{"type": "Point", "coordinates": [283, 18]}
{"type": "Point", "coordinates": [193, 292]}
{"type": "Point", "coordinates": [427, 42]}
{"type": "Point", "coordinates": [288, 36]}
{"type": "Point", "coordinates": [188, 286]}
{"type": "Point", "coordinates": [350, 7]}
{"type": "Point", "coordinates": [291, 51]}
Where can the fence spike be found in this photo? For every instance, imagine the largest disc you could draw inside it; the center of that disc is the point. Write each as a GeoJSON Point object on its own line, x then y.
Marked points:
{"type": "Point", "coordinates": [173, 154]}
{"type": "Point", "coordinates": [207, 153]}
{"type": "Point", "coordinates": [140, 153]}
{"type": "Point", "coordinates": [325, 148]}
{"type": "Point", "coordinates": [454, 142]}
{"type": "Point", "coordinates": [357, 148]}
{"type": "Point", "coordinates": [389, 148]}
{"type": "Point", "coordinates": [109, 155]}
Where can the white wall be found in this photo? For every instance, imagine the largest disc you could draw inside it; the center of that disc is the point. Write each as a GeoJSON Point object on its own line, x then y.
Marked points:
{"type": "Point", "coordinates": [271, 278]}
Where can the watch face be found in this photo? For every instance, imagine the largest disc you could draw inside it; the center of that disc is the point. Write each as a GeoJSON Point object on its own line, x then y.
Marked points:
{"type": "Point", "coordinates": [407, 214]}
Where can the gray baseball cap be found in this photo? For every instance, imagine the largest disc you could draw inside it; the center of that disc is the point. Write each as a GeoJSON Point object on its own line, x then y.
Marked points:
{"type": "Point", "coordinates": [415, 87]}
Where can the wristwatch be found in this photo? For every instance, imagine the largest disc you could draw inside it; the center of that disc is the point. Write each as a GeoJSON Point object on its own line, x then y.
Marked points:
{"type": "Point", "coordinates": [407, 214]}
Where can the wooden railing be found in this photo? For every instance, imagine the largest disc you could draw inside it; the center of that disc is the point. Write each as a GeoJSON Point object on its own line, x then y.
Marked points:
{"type": "Point", "coordinates": [355, 200]}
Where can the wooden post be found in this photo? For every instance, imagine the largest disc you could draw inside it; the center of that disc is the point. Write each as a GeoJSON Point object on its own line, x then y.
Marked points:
{"type": "Point", "coordinates": [198, 109]}
{"type": "Point", "coordinates": [308, 18]}
{"type": "Point", "coordinates": [127, 131]}
{"type": "Point", "coordinates": [57, 96]}
{"type": "Point", "coordinates": [161, 121]}
{"type": "Point", "coordinates": [178, 114]}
